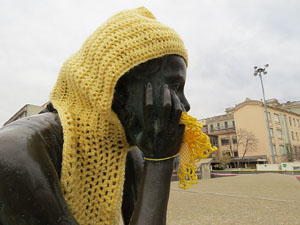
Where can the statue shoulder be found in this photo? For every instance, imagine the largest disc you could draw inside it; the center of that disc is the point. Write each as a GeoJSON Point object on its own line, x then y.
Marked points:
{"type": "Point", "coordinates": [28, 126]}
{"type": "Point", "coordinates": [33, 136]}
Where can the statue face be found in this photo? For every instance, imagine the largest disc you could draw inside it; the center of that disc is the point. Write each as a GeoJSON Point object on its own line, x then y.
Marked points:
{"type": "Point", "coordinates": [168, 72]}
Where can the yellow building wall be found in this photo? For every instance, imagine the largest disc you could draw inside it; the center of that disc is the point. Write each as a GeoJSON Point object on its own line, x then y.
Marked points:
{"type": "Point", "coordinates": [251, 117]}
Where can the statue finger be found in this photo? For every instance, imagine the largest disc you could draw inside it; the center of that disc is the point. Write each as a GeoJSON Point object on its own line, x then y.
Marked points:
{"type": "Point", "coordinates": [148, 108]}
{"type": "Point", "coordinates": [166, 108]}
{"type": "Point", "coordinates": [176, 109]}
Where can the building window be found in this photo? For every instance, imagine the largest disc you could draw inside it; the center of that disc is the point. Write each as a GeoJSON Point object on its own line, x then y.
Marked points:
{"type": "Point", "coordinates": [294, 122]}
{"type": "Point", "coordinates": [271, 131]}
{"type": "Point", "coordinates": [290, 121]}
{"type": "Point", "coordinates": [293, 135]}
{"type": "Point", "coordinates": [224, 141]}
{"type": "Point", "coordinates": [297, 136]}
{"type": "Point", "coordinates": [218, 125]}
{"type": "Point", "coordinates": [236, 154]}
{"type": "Point", "coordinates": [279, 134]}
{"type": "Point", "coordinates": [276, 118]}
{"type": "Point", "coordinates": [213, 140]}
{"type": "Point", "coordinates": [281, 148]}
{"type": "Point", "coordinates": [233, 124]}
{"type": "Point", "coordinates": [211, 127]}
{"type": "Point", "coordinates": [274, 148]}
{"type": "Point", "coordinates": [298, 123]}
{"type": "Point", "coordinates": [226, 124]}
{"type": "Point", "coordinates": [234, 141]}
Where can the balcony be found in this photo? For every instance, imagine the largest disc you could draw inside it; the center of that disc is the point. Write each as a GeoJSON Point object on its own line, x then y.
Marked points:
{"type": "Point", "coordinates": [228, 130]}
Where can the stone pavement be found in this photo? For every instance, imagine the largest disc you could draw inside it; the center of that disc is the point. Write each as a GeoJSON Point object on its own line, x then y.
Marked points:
{"type": "Point", "coordinates": [269, 199]}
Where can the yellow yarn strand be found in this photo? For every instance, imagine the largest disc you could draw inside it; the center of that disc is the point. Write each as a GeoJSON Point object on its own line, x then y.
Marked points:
{"type": "Point", "coordinates": [162, 159]}
{"type": "Point", "coordinates": [195, 146]}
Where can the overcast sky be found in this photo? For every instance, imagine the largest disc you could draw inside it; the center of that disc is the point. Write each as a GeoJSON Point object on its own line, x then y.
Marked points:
{"type": "Point", "coordinates": [225, 39]}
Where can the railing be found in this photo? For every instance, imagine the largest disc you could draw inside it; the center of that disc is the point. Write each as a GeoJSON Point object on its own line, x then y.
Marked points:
{"type": "Point", "coordinates": [221, 129]}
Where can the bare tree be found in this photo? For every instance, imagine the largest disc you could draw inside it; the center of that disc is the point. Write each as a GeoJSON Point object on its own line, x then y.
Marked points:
{"type": "Point", "coordinates": [231, 148]}
{"type": "Point", "coordinates": [247, 141]}
{"type": "Point", "coordinates": [234, 145]}
{"type": "Point", "coordinates": [244, 142]}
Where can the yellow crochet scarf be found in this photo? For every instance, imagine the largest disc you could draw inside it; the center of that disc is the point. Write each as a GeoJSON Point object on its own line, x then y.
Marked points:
{"type": "Point", "coordinates": [95, 146]}
{"type": "Point", "coordinates": [195, 146]}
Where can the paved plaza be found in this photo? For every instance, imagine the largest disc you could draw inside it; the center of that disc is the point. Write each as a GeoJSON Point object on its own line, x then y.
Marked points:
{"type": "Point", "coordinates": [269, 199]}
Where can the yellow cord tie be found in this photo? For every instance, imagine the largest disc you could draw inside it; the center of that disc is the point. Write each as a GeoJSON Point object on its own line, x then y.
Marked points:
{"type": "Point", "coordinates": [162, 159]}
{"type": "Point", "coordinates": [195, 146]}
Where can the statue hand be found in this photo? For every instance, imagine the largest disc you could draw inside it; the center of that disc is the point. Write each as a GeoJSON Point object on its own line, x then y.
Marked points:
{"type": "Point", "coordinates": [162, 134]}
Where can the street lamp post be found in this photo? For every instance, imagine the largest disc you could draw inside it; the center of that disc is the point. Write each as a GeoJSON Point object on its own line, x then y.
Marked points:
{"type": "Point", "coordinates": [259, 71]}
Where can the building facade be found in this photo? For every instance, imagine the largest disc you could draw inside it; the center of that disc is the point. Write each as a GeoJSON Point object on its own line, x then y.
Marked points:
{"type": "Point", "coordinates": [242, 132]}
{"type": "Point", "coordinates": [26, 110]}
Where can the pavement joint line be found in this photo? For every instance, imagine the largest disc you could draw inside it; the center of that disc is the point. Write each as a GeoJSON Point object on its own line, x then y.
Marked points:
{"type": "Point", "coordinates": [238, 196]}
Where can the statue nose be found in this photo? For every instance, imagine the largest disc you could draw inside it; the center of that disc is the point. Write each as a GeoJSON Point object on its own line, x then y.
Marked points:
{"type": "Point", "coordinates": [186, 105]}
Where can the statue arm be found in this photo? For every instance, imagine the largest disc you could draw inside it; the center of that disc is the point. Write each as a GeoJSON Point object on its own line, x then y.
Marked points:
{"type": "Point", "coordinates": [160, 138]}
{"type": "Point", "coordinates": [152, 203]}
{"type": "Point", "coordinates": [133, 176]}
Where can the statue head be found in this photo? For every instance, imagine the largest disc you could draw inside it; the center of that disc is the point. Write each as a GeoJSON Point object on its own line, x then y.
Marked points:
{"type": "Point", "coordinates": [129, 97]}
{"type": "Point", "coordinates": [133, 47]}
{"type": "Point", "coordinates": [125, 41]}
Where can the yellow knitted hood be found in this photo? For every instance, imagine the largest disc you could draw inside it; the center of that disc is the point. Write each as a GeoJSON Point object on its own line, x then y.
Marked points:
{"type": "Point", "coordinates": [95, 146]}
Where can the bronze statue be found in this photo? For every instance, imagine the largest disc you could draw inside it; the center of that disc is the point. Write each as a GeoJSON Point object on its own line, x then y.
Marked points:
{"type": "Point", "coordinates": [148, 100]}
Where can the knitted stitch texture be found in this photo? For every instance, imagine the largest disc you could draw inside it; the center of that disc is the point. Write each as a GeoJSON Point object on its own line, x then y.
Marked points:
{"type": "Point", "coordinates": [95, 145]}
